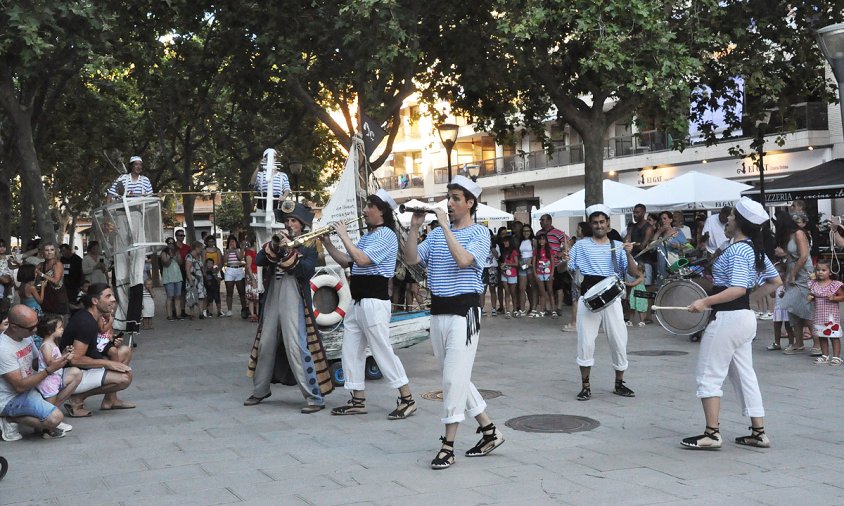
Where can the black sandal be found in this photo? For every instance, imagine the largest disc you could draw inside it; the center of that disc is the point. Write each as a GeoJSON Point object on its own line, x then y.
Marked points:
{"type": "Point", "coordinates": [756, 438]}
{"type": "Point", "coordinates": [355, 406]}
{"type": "Point", "coordinates": [445, 457]}
{"type": "Point", "coordinates": [490, 440]}
{"type": "Point", "coordinates": [405, 406]}
{"type": "Point", "coordinates": [586, 392]}
{"type": "Point", "coordinates": [694, 442]}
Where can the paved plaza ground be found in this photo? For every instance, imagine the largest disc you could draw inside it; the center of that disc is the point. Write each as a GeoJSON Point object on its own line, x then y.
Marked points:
{"type": "Point", "coordinates": [191, 440]}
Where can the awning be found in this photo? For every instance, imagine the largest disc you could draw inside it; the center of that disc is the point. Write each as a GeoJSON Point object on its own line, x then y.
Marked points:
{"type": "Point", "coordinates": [200, 224]}
{"type": "Point", "coordinates": [825, 181]}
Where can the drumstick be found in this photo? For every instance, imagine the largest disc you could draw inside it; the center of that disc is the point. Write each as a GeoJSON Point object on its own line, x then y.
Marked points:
{"type": "Point", "coordinates": [622, 246]}
{"type": "Point", "coordinates": [679, 308]}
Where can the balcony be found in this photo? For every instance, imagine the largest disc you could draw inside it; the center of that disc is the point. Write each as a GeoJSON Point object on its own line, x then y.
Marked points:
{"type": "Point", "coordinates": [807, 116]}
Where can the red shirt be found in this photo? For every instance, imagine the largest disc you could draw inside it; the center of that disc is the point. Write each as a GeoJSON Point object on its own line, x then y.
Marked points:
{"type": "Point", "coordinates": [251, 254]}
{"type": "Point", "coordinates": [556, 238]}
{"type": "Point", "coordinates": [184, 249]}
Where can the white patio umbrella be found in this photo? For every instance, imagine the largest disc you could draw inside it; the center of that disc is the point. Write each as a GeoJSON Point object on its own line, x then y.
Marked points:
{"type": "Point", "coordinates": [694, 190]}
{"type": "Point", "coordinates": [618, 196]}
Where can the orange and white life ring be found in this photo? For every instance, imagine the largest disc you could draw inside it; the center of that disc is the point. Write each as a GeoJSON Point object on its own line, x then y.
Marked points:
{"type": "Point", "coordinates": [344, 297]}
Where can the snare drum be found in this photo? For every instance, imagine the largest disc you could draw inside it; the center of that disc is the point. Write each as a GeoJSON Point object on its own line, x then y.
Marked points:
{"type": "Point", "coordinates": [600, 296]}
{"type": "Point", "coordinates": [680, 292]}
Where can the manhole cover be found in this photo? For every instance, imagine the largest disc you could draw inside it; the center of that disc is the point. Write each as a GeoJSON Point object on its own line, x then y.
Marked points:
{"type": "Point", "coordinates": [657, 353]}
{"type": "Point", "coordinates": [553, 423]}
{"type": "Point", "coordinates": [437, 395]}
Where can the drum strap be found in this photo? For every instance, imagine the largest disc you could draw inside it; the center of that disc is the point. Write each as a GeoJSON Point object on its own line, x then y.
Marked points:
{"type": "Point", "coordinates": [590, 280]}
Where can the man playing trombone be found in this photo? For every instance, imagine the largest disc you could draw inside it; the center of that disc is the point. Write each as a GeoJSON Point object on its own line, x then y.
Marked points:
{"type": "Point", "coordinates": [373, 262]}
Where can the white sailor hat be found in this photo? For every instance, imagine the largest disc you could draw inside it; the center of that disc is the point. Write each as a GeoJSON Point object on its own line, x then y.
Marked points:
{"type": "Point", "coordinates": [134, 159]}
{"type": "Point", "coordinates": [386, 198]}
{"type": "Point", "coordinates": [467, 184]}
{"type": "Point", "coordinates": [597, 208]}
{"type": "Point", "coordinates": [752, 211]}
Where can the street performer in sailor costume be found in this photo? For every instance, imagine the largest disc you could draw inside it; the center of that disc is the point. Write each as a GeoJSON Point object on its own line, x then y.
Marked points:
{"type": "Point", "coordinates": [598, 257]}
{"type": "Point", "coordinates": [725, 348]}
{"type": "Point", "coordinates": [455, 257]}
{"type": "Point", "coordinates": [367, 323]}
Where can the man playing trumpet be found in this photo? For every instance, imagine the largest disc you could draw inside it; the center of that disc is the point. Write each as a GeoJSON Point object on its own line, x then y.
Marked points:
{"type": "Point", "coordinates": [288, 348]}
{"type": "Point", "coordinates": [373, 263]}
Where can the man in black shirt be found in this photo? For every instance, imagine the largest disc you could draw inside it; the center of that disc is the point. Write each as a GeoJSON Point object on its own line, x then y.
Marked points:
{"type": "Point", "coordinates": [640, 232]}
{"type": "Point", "coordinates": [72, 271]}
{"type": "Point", "coordinates": [104, 361]}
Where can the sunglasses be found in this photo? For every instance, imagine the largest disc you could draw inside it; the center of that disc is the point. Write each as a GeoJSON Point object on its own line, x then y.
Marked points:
{"type": "Point", "coordinates": [180, 235]}
{"type": "Point", "coordinates": [30, 329]}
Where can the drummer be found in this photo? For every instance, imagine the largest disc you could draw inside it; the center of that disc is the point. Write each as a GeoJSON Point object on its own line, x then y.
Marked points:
{"type": "Point", "coordinates": [725, 349]}
{"type": "Point", "coordinates": [598, 257]}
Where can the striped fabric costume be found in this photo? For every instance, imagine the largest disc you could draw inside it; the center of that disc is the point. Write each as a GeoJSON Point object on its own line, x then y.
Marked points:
{"type": "Point", "coordinates": [131, 188]}
{"type": "Point", "coordinates": [280, 183]}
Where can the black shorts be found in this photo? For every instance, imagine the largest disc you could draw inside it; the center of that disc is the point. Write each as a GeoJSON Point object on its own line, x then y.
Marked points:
{"type": "Point", "coordinates": [561, 280]}
{"type": "Point", "coordinates": [490, 276]}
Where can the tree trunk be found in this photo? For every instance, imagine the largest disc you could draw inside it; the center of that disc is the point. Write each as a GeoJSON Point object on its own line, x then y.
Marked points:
{"type": "Point", "coordinates": [593, 144]}
{"type": "Point", "coordinates": [6, 176]}
{"type": "Point", "coordinates": [71, 230]}
{"type": "Point", "coordinates": [26, 218]}
{"type": "Point", "coordinates": [31, 184]}
{"type": "Point", "coordinates": [188, 201]}
{"type": "Point", "coordinates": [245, 198]}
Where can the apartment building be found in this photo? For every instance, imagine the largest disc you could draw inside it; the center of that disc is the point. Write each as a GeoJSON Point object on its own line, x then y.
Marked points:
{"type": "Point", "coordinates": [521, 175]}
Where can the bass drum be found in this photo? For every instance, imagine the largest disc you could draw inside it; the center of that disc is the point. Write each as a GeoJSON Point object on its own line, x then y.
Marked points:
{"type": "Point", "coordinates": [680, 292]}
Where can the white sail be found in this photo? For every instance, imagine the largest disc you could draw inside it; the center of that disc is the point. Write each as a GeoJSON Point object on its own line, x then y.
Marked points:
{"type": "Point", "coordinates": [343, 204]}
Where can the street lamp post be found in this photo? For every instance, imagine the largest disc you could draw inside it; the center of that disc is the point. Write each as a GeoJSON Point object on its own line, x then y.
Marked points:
{"type": "Point", "coordinates": [295, 170]}
{"type": "Point", "coordinates": [214, 214]}
{"type": "Point", "coordinates": [448, 136]}
{"type": "Point", "coordinates": [831, 40]}
{"type": "Point", "coordinates": [761, 126]}
{"type": "Point", "coordinates": [474, 171]}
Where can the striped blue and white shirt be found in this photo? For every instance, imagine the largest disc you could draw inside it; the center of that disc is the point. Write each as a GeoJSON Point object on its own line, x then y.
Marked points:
{"type": "Point", "coordinates": [382, 247]}
{"type": "Point", "coordinates": [445, 278]}
{"type": "Point", "coordinates": [736, 266]}
{"type": "Point", "coordinates": [594, 259]}
{"type": "Point", "coordinates": [280, 182]}
{"type": "Point", "coordinates": [131, 188]}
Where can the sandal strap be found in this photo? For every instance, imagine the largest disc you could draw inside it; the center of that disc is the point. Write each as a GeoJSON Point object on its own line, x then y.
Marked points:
{"type": "Point", "coordinates": [485, 429]}
{"type": "Point", "coordinates": [711, 431]}
{"type": "Point", "coordinates": [356, 402]}
{"type": "Point", "coordinates": [756, 431]}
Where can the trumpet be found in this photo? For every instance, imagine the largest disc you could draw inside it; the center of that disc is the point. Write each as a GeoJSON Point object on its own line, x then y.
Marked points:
{"type": "Point", "coordinates": [313, 234]}
{"type": "Point", "coordinates": [412, 209]}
